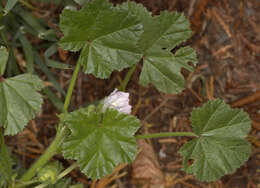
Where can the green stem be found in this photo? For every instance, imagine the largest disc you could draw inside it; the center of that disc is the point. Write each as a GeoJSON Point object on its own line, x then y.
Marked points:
{"type": "Point", "coordinates": [5, 155]}
{"type": "Point", "coordinates": [51, 150]}
{"type": "Point", "coordinates": [71, 87]}
{"type": "Point", "coordinates": [165, 134]}
{"type": "Point", "coordinates": [42, 185]}
{"type": "Point", "coordinates": [26, 183]}
{"type": "Point", "coordinates": [127, 78]}
{"type": "Point", "coordinates": [61, 134]}
{"type": "Point", "coordinates": [28, 5]}
{"type": "Point", "coordinates": [68, 170]}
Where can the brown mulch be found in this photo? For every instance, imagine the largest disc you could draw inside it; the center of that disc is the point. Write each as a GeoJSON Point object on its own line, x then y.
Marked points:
{"type": "Point", "coordinates": [226, 37]}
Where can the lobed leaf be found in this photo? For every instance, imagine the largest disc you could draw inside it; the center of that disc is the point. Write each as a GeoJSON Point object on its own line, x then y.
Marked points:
{"type": "Point", "coordinates": [167, 30]}
{"type": "Point", "coordinates": [160, 66]}
{"type": "Point", "coordinates": [221, 146]}
{"type": "Point", "coordinates": [112, 38]}
{"type": "Point", "coordinates": [107, 36]}
{"type": "Point", "coordinates": [20, 102]}
{"type": "Point", "coordinates": [99, 142]}
{"type": "Point", "coordinates": [137, 10]}
{"type": "Point", "coordinates": [163, 69]}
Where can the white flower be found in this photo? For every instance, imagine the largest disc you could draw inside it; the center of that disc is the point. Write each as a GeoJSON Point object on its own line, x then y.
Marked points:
{"type": "Point", "coordinates": [119, 101]}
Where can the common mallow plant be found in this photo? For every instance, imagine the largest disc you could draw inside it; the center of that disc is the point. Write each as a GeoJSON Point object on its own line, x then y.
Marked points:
{"type": "Point", "coordinates": [98, 138]}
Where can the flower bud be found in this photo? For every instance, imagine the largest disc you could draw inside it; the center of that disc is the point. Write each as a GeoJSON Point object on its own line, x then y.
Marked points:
{"type": "Point", "coordinates": [49, 172]}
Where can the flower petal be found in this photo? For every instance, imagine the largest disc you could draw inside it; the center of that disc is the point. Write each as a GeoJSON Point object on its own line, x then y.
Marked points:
{"type": "Point", "coordinates": [119, 101]}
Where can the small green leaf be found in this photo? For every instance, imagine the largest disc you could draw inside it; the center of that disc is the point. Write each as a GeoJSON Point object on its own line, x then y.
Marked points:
{"type": "Point", "coordinates": [28, 52]}
{"type": "Point", "coordinates": [221, 146]}
{"type": "Point", "coordinates": [55, 100]}
{"type": "Point", "coordinates": [19, 101]}
{"type": "Point", "coordinates": [106, 34]}
{"type": "Point", "coordinates": [57, 64]}
{"type": "Point", "coordinates": [12, 69]}
{"type": "Point", "coordinates": [51, 50]}
{"type": "Point", "coordinates": [9, 5]}
{"type": "Point", "coordinates": [36, 26]}
{"type": "Point", "coordinates": [99, 142]}
{"type": "Point", "coordinates": [161, 67]}
{"type": "Point", "coordinates": [48, 73]}
{"type": "Point", "coordinates": [3, 59]}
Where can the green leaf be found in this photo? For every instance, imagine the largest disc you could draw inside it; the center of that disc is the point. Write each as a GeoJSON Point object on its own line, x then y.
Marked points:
{"type": "Point", "coordinates": [9, 5]}
{"type": "Point", "coordinates": [221, 146]}
{"type": "Point", "coordinates": [12, 68]}
{"type": "Point", "coordinates": [36, 27]}
{"type": "Point", "coordinates": [161, 67]}
{"type": "Point", "coordinates": [99, 142]}
{"type": "Point", "coordinates": [28, 52]}
{"type": "Point", "coordinates": [52, 63]}
{"type": "Point", "coordinates": [19, 101]}
{"type": "Point", "coordinates": [167, 30]}
{"type": "Point", "coordinates": [48, 73]}
{"type": "Point", "coordinates": [3, 59]}
{"type": "Point", "coordinates": [54, 99]}
{"type": "Point", "coordinates": [106, 34]}
{"type": "Point", "coordinates": [57, 64]}
{"type": "Point", "coordinates": [136, 9]}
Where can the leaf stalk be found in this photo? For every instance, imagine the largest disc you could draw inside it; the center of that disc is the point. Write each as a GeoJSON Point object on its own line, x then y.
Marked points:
{"type": "Point", "coordinates": [165, 134]}
{"type": "Point", "coordinates": [6, 155]}
{"type": "Point", "coordinates": [50, 151]}
{"type": "Point", "coordinates": [127, 78]}
{"type": "Point", "coordinates": [67, 171]}
{"type": "Point", "coordinates": [71, 87]}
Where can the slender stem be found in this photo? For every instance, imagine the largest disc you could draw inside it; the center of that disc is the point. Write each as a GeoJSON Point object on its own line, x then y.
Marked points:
{"type": "Point", "coordinates": [5, 155]}
{"type": "Point", "coordinates": [165, 134]}
{"type": "Point", "coordinates": [71, 87]}
{"type": "Point", "coordinates": [127, 78]}
{"type": "Point", "coordinates": [23, 184]}
{"type": "Point", "coordinates": [68, 170]}
{"type": "Point", "coordinates": [50, 151]}
{"type": "Point", "coordinates": [42, 185]}
{"type": "Point", "coordinates": [28, 5]}
{"type": "Point", "coordinates": [53, 149]}
{"type": "Point", "coordinates": [61, 175]}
